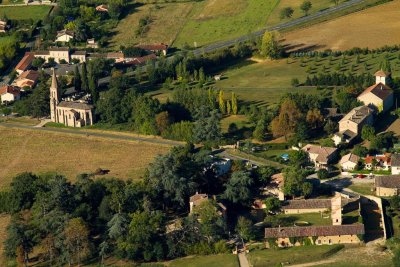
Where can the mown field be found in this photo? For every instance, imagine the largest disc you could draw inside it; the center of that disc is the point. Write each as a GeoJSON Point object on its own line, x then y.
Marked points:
{"type": "Point", "coordinates": [226, 260]}
{"type": "Point", "coordinates": [217, 20]}
{"type": "Point", "coordinates": [25, 12]}
{"type": "Point", "coordinates": [4, 220]}
{"type": "Point", "coordinates": [40, 152]}
{"type": "Point", "coordinates": [361, 29]}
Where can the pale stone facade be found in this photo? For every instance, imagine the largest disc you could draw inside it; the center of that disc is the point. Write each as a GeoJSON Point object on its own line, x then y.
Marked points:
{"type": "Point", "coordinates": [70, 113]}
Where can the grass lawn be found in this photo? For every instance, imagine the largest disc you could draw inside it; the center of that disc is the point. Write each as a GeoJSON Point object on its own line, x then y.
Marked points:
{"type": "Point", "coordinates": [294, 255]}
{"type": "Point", "coordinates": [240, 121]}
{"type": "Point", "coordinates": [317, 5]}
{"type": "Point", "coordinates": [363, 189]}
{"type": "Point", "coordinates": [217, 20]}
{"type": "Point", "coordinates": [312, 218]}
{"type": "Point", "coordinates": [38, 152]}
{"type": "Point", "coordinates": [226, 260]}
{"type": "Point", "coordinates": [20, 120]}
{"type": "Point", "coordinates": [25, 12]}
{"type": "Point", "coordinates": [339, 34]}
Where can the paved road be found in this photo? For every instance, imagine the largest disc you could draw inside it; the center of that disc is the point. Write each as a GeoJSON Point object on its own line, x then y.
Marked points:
{"type": "Point", "coordinates": [226, 154]}
{"type": "Point", "coordinates": [95, 134]}
{"type": "Point", "coordinates": [243, 262]}
{"type": "Point", "coordinates": [283, 26]}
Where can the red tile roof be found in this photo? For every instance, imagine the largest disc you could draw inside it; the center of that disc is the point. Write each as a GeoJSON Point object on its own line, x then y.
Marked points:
{"type": "Point", "coordinates": [9, 89]}
{"type": "Point", "coordinates": [25, 62]}
{"type": "Point", "coordinates": [154, 47]}
{"type": "Point", "coordinates": [32, 75]}
{"type": "Point", "coordinates": [382, 158]}
{"type": "Point", "coordinates": [380, 90]}
{"type": "Point", "coordinates": [141, 60]}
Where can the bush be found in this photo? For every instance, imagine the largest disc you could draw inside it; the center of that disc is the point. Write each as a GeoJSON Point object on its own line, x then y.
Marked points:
{"type": "Point", "coordinates": [323, 174]}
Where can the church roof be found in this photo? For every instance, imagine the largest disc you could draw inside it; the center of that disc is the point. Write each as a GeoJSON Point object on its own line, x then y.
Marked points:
{"type": "Point", "coordinates": [54, 83]}
{"type": "Point", "coordinates": [380, 90]}
{"type": "Point", "coordinates": [75, 105]}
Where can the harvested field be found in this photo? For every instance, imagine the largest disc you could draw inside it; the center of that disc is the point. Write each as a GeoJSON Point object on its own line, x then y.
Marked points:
{"type": "Point", "coordinates": [25, 12]}
{"type": "Point", "coordinates": [39, 152]}
{"type": "Point", "coordinates": [372, 28]}
{"type": "Point", "coordinates": [166, 20]}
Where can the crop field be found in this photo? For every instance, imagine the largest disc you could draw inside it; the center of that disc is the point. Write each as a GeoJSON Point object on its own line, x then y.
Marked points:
{"type": "Point", "coordinates": [365, 30]}
{"type": "Point", "coordinates": [25, 12]}
{"type": "Point", "coordinates": [39, 152]}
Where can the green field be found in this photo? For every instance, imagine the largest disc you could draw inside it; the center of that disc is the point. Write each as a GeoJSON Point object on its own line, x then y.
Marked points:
{"type": "Point", "coordinates": [212, 21]}
{"type": "Point", "coordinates": [25, 12]}
{"type": "Point", "coordinates": [294, 255]}
{"type": "Point", "coordinates": [226, 260]}
{"type": "Point", "coordinates": [363, 189]}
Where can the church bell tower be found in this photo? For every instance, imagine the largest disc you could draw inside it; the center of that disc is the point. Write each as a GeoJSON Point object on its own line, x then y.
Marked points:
{"type": "Point", "coordinates": [54, 97]}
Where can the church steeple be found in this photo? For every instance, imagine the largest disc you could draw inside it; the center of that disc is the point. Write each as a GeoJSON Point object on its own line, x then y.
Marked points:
{"type": "Point", "coordinates": [54, 97]}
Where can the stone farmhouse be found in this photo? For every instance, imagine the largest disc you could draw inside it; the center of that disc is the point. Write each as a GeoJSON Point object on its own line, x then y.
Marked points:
{"type": "Point", "coordinates": [318, 235]}
{"type": "Point", "coordinates": [320, 156]}
{"type": "Point", "coordinates": [349, 162]}
{"type": "Point", "coordinates": [351, 124]}
{"type": "Point", "coordinates": [73, 113]}
{"type": "Point", "coordinates": [9, 94]}
{"type": "Point", "coordinates": [65, 36]}
{"type": "Point", "coordinates": [387, 186]}
{"type": "Point", "coordinates": [395, 164]}
{"type": "Point", "coordinates": [378, 96]}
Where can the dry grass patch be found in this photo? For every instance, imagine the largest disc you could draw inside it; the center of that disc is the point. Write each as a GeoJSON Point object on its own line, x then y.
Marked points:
{"type": "Point", "coordinates": [215, 8]}
{"type": "Point", "coordinates": [4, 221]}
{"type": "Point", "coordinates": [39, 152]}
{"type": "Point", "coordinates": [371, 28]}
{"type": "Point", "coordinates": [166, 22]}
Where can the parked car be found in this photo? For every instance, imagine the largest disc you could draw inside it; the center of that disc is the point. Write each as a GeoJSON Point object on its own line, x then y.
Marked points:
{"type": "Point", "coordinates": [361, 176]}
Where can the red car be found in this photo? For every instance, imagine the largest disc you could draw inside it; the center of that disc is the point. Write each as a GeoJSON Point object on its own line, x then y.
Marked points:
{"type": "Point", "coordinates": [361, 176]}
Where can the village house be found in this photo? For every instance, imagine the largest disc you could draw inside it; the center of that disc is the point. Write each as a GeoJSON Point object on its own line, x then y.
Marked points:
{"type": "Point", "coordinates": [79, 55]}
{"type": "Point", "coordinates": [387, 186]}
{"type": "Point", "coordinates": [351, 124]}
{"type": "Point", "coordinates": [28, 78]}
{"type": "Point", "coordinates": [65, 36]}
{"type": "Point", "coordinates": [197, 199]}
{"type": "Point", "coordinates": [59, 54]}
{"type": "Point", "coordinates": [320, 156]}
{"type": "Point", "coordinates": [140, 60]}
{"type": "Point", "coordinates": [91, 43]}
{"type": "Point", "coordinates": [317, 235]}
{"type": "Point", "coordinates": [378, 162]}
{"type": "Point", "coordinates": [3, 26]}
{"type": "Point", "coordinates": [378, 96]}
{"type": "Point", "coordinates": [102, 8]}
{"type": "Point", "coordinates": [9, 94]}
{"type": "Point", "coordinates": [160, 49]}
{"type": "Point", "coordinates": [349, 162]}
{"type": "Point", "coordinates": [73, 113]}
{"type": "Point", "coordinates": [395, 164]}
{"type": "Point", "coordinates": [25, 63]}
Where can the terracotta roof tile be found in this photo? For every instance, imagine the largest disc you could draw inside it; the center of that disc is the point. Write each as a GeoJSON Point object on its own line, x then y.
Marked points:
{"type": "Point", "coordinates": [332, 230]}
{"type": "Point", "coordinates": [390, 181]}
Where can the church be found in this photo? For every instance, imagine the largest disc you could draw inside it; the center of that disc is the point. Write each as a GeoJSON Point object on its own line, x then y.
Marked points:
{"type": "Point", "coordinates": [70, 112]}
